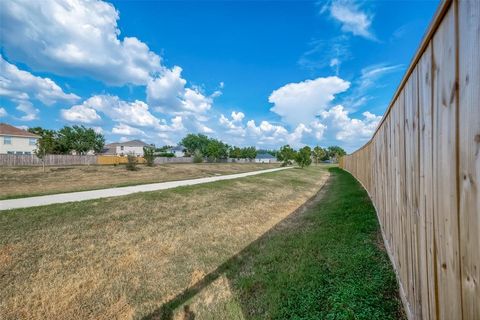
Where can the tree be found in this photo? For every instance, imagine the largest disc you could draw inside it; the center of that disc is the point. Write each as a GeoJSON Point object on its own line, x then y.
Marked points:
{"type": "Point", "coordinates": [79, 139]}
{"type": "Point", "coordinates": [319, 154]}
{"type": "Point", "coordinates": [193, 142]}
{"type": "Point", "coordinates": [335, 152]}
{"type": "Point", "coordinates": [216, 150]}
{"type": "Point", "coordinates": [149, 155]}
{"type": "Point", "coordinates": [235, 153]}
{"type": "Point", "coordinates": [45, 144]}
{"type": "Point", "coordinates": [303, 157]}
{"type": "Point", "coordinates": [249, 153]}
{"type": "Point", "coordinates": [286, 155]}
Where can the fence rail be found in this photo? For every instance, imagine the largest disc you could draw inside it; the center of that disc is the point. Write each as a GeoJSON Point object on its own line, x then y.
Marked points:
{"type": "Point", "coordinates": [422, 170]}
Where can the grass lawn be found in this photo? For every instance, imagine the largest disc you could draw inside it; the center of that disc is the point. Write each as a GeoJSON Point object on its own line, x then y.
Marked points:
{"type": "Point", "coordinates": [324, 262]}
{"type": "Point", "coordinates": [18, 182]}
{"type": "Point", "coordinates": [237, 249]}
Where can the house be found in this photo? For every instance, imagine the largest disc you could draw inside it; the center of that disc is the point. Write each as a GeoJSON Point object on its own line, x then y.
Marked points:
{"type": "Point", "coordinates": [16, 141]}
{"type": "Point", "coordinates": [178, 151]}
{"type": "Point", "coordinates": [134, 147]}
{"type": "Point", "coordinates": [265, 158]}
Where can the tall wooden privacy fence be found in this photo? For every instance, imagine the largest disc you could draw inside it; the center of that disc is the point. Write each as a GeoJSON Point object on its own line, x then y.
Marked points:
{"type": "Point", "coordinates": [422, 170]}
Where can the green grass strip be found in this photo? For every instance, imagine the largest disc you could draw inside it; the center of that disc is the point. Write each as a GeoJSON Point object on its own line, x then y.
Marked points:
{"type": "Point", "coordinates": [330, 265]}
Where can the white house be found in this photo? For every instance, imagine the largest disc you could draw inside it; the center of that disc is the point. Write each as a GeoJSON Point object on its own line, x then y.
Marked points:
{"type": "Point", "coordinates": [265, 158]}
{"type": "Point", "coordinates": [178, 151]}
{"type": "Point", "coordinates": [16, 141]}
{"type": "Point", "coordinates": [134, 147]}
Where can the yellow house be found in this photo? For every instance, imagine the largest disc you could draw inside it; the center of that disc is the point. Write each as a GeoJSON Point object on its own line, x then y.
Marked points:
{"type": "Point", "coordinates": [16, 141]}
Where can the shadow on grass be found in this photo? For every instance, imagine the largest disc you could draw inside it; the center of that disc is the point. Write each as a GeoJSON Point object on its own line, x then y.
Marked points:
{"type": "Point", "coordinates": [322, 262]}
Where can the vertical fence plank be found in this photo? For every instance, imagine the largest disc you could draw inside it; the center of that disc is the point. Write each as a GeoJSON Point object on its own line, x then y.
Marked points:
{"type": "Point", "coordinates": [445, 166]}
{"type": "Point", "coordinates": [426, 237]}
{"type": "Point", "coordinates": [412, 181]}
{"type": "Point", "coordinates": [469, 154]}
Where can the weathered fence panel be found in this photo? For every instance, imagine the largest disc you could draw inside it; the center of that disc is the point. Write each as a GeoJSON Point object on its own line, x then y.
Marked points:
{"type": "Point", "coordinates": [422, 170]}
{"type": "Point", "coordinates": [50, 160]}
{"type": "Point", "coordinates": [161, 160]}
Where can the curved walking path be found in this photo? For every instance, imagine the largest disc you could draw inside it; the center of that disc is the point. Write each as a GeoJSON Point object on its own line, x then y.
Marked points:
{"type": "Point", "coordinates": [115, 192]}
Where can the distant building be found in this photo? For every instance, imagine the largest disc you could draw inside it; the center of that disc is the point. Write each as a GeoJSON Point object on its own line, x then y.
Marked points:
{"type": "Point", "coordinates": [178, 151]}
{"type": "Point", "coordinates": [134, 147]}
{"type": "Point", "coordinates": [265, 158]}
{"type": "Point", "coordinates": [16, 141]}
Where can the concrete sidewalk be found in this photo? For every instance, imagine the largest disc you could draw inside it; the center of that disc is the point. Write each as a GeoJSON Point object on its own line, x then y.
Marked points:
{"type": "Point", "coordinates": [115, 192]}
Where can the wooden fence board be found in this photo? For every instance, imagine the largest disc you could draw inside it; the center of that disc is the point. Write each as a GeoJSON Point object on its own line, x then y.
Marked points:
{"type": "Point", "coordinates": [426, 236]}
{"type": "Point", "coordinates": [469, 155]}
{"type": "Point", "coordinates": [444, 166]}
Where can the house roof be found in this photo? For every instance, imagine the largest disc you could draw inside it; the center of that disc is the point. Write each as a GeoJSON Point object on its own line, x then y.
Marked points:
{"type": "Point", "coordinates": [132, 143]}
{"type": "Point", "coordinates": [264, 156]}
{"type": "Point", "coordinates": [8, 130]}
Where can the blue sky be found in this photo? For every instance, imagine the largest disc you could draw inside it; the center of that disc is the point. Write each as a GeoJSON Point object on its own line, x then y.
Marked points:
{"type": "Point", "coordinates": [263, 73]}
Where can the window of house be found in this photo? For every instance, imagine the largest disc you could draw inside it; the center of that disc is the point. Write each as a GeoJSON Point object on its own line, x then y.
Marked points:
{"type": "Point", "coordinates": [32, 141]}
{"type": "Point", "coordinates": [121, 148]}
{"type": "Point", "coordinates": [27, 153]}
{"type": "Point", "coordinates": [7, 140]}
{"type": "Point", "coordinates": [10, 152]}
{"type": "Point", "coordinates": [19, 152]}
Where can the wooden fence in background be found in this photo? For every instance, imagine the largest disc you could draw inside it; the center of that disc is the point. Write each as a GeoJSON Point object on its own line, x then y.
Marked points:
{"type": "Point", "coordinates": [422, 170]}
{"type": "Point", "coordinates": [14, 160]}
{"type": "Point", "coordinates": [160, 160]}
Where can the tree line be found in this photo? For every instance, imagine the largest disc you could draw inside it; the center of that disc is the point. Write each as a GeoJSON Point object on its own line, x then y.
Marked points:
{"type": "Point", "coordinates": [81, 140]}
{"type": "Point", "coordinates": [304, 156]}
{"type": "Point", "coordinates": [201, 146]}
{"type": "Point", "coordinates": [78, 139]}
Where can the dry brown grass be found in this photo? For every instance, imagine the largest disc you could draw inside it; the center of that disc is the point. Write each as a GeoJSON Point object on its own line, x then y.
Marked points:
{"type": "Point", "coordinates": [28, 181]}
{"type": "Point", "coordinates": [122, 258]}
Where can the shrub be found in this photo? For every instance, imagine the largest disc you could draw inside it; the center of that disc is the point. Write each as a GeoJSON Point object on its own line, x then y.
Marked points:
{"type": "Point", "coordinates": [286, 155]}
{"type": "Point", "coordinates": [148, 155]}
{"type": "Point", "coordinates": [303, 157]}
{"type": "Point", "coordinates": [197, 156]}
{"type": "Point", "coordinates": [132, 162]}
{"type": "Point", "coordinates": [165, 154]}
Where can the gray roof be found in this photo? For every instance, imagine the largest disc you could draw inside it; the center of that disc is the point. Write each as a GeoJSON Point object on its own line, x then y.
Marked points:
{"type": "Point", "coordinates": [264, 156]}
{"type": "Point", "coordinates": [132, 143]}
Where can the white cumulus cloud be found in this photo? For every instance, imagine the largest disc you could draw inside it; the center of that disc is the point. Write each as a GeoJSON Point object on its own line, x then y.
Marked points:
{"type": "Point", "coordinates": [22, 85]}
{"type": "Point", "coordinates": [133, 113]}
{"type": "Point", "coordinates": [350, 129]}
{"type": "Point", "coordinates": [126, 130]}
{"type": "Point", "coordinates": [300, 102]}
{"type": "Point", "coordinates": [78, 37]}
{"type": "Point", "coordinates": [168, 93]}
{"type": "Point", "coordinates": [80, 113]}
{"type": "Point", "coordinates": [30, 112]}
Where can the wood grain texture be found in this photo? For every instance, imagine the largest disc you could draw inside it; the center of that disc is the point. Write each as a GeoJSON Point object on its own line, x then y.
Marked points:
{"type": "Point", "coordinates": [422, 171]}
{"type": "Point", "coordinates": [444, 168]}
{"type": "Point", "coordinates": [469, 155]}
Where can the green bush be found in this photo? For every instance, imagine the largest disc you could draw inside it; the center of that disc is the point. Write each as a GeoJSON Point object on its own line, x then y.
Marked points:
{"type": "Point", "coordinates": [148, 155]}
{"type": "Point", "coordinates": [132, 162]}
{"type": "Point", "coordinates": [303, 157]}
{"type": "Point", "coordinates": [197, 156]}
{"type": "Point", "coordinates": [165, 154]}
